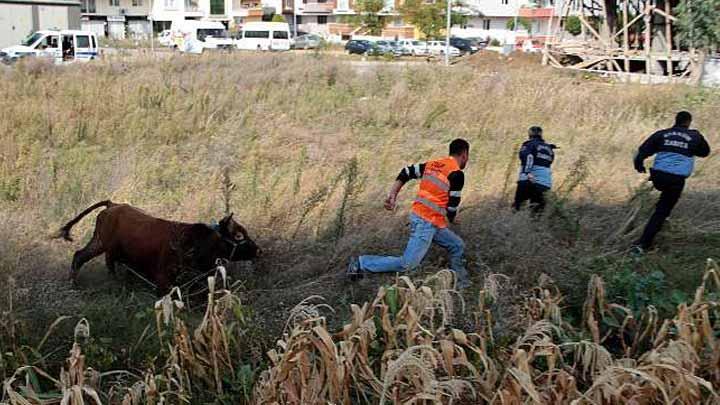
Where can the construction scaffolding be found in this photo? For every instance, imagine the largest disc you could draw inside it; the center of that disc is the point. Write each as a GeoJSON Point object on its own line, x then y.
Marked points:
{"type": "Point", "coordinates": [624, 37]}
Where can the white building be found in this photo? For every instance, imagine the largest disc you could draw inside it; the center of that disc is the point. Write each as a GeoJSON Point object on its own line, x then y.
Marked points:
{"type": "Point", "coordinates": [117, 19]}
{"type": "Point", "coordinates": [230, 12]}
{"type": "Point", "coordinates": [494, 19]}
{"type": "Point", "coordinates": [20, 18]}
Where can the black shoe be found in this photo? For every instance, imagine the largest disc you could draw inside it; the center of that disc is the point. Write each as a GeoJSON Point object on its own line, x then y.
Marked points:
{"type": "Point", "coordinates": [637, 251]}
{"type": "Point", "coordinates": [354, 272]}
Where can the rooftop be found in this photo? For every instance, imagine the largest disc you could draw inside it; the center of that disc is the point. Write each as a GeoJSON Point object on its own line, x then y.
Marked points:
{"type": "Point", "coordinates": [45, 2]}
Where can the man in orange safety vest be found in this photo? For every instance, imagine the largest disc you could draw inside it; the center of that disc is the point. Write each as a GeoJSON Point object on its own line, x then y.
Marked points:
{"type": "Point", "coordinates": [436, 204]}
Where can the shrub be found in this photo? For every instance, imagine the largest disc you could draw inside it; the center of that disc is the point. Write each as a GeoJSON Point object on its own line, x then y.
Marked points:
{"type": "Point", "coordinates": [573, 25]}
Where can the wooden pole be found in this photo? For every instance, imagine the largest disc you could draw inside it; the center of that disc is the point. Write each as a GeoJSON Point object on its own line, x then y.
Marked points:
{"type": "Point", "coordinates": [648, 33]}
{"type": "Point", "coordinates": [605, 29]}
{"type": "Point", "coordinates": [626, 35]}
{"type": "Point", "coordinates": [582, 15]}
{"type": "Point", "coordinates": [668, 38]}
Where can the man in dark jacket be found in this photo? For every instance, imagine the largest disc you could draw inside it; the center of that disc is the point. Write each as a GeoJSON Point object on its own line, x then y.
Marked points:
{"type": "Point", "coordinates": [675, 150]}
{"type": "Point", "coordinates": [536, 159]}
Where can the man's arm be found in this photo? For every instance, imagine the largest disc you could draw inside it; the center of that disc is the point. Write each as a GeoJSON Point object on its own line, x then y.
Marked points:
{"type": "Point", "coordinates": [703, 149]}
{"type": "Point", "coordinates": [408, 173]}
{"type": "Point", "coordinates": [527, 158]}
{"type": "Point", "coordinates": [647, 149]}
{"type": "Point", "coordinates": [457, 181]}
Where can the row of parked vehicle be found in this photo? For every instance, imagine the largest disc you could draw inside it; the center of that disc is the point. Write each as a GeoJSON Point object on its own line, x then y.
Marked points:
{"type": "Point", "coordinates": [408, 47]}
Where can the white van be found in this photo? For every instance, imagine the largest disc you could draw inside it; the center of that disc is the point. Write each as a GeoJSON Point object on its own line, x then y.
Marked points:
{"type": "Point", "coordinates": [195, 36]}
{"type": "Point", "coordinates": [265, 36]}
{"type": "Point", "coordinates": [62, 46]}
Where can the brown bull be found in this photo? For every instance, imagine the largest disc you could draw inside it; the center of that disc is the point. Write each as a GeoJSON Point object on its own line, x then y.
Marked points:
{"type": "Point", "coordinates": [158, 249]}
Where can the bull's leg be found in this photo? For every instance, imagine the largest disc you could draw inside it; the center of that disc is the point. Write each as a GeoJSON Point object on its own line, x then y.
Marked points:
{"type": "Point", "coordinates": [92, 250]}
{"type": "Point", "coordinates": [162, 282]}
{"type": "Point", "coordinates": [110, 263]}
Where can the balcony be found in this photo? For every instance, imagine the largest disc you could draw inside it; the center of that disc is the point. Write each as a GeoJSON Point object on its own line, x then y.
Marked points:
{"type": "Point", "coordinates": [545, 12]}
{"type": "Point", "coordinates": [341, 29]}
{"type": "Point", "coordinates": [318, 8]}
{"type": "Point", "coordinates": [242, 6]}
{"type": "Point", "coordinates": [191, 7]}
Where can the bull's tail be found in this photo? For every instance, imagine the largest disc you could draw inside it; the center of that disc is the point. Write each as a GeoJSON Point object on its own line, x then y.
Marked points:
{"type": "Point", "coordinates": [64, 232]}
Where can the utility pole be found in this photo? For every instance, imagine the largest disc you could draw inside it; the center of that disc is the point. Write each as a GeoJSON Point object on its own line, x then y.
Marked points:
{"type": "Point", "coordinates": [447, 36]}
{"type": "Point", "coordinates": [152, 29]}
{"type": "Point", "coordinates": [295, 11]}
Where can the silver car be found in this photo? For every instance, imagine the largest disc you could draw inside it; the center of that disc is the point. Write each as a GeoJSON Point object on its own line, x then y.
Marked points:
{"type": "Point", "coordinates": [387, 48]}
{"type": "Point", "coordinates": [307, 41]}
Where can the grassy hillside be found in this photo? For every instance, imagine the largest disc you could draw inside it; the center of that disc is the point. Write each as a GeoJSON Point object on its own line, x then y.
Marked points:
{"type": "Point", "coordinates": [303, 149]}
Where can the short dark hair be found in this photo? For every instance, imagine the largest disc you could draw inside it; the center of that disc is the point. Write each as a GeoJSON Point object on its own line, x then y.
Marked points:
{"type": "Point", "coordinates": [535, 131]}
{"type": "Point", "coordinates": [683, 119]}
{"type": "Point", "coordinates": [458, 146]}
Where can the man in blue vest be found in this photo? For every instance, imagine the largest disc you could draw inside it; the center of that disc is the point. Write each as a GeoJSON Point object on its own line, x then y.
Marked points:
{"type": "Point", "coordinates": [536, 159]}
{"type": "Point", "coordinates": [675, 150]}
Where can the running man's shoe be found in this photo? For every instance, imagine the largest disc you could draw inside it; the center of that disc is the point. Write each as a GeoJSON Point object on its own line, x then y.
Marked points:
{"type": "Point", "coordinates": [637, 251]}
{"type": "Point", "coordinates": [354, 272]}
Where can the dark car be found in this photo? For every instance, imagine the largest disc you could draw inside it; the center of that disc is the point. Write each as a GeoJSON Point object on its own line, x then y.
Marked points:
{"type": "Point", "coordinates": [359, 46]}
{"type": "Point", "coordinates": [481, 43]}
{"type": "Point", "coordinates": [464, 45]}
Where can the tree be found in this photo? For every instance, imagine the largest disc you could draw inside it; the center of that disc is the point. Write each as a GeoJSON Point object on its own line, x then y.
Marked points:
{"type": "Point", "coordinates": [430, 18]}
{"type": "Point", "coordinates": [524, 22]}
{"type": "Point", "coordinates": [368, 16]}
{"type": "Point", "coordinates": [278, 18]}
{"type": "Point", "coordinates": [698, 23]}
{"type": "Point", "coordinates": [573, 25]}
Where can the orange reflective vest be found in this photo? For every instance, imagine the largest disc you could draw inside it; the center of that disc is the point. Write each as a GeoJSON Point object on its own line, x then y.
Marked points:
{"type": "Point", "coordinates": [432, 198]}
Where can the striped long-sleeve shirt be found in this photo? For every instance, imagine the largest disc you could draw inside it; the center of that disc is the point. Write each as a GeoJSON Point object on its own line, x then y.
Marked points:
{"type": "Point", "coordinates": [456, 179]}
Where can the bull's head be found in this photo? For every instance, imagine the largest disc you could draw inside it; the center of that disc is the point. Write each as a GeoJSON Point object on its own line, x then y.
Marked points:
{"type": "Point", "coordinates": [244, 248]}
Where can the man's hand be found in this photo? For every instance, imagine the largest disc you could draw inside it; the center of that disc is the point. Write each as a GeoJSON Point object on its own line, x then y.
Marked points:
{"type": "Point", "coordinates": [391, 202]}
{"type": "Point", "coordinates": [639, 166]}
{"type": "Point", "coordinates": [531, 177]}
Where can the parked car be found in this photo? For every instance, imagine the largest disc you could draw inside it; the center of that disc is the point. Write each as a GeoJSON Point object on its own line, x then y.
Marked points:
{"type": "Point", "coordinates": [464, 45]}
{"type": "Point", "coordinates": [359, 46]}
{"type": "Point", "coordinates": [481, 43]}
{"type": "Point", "coordinates": [420, 48]}
{"type": "Point", "coordinates": [60, 46]}
{"type": "Point", "coordinates": [437, 48]}
{"type": "Point", "coordinates": [264, 36]}
{"type": "Point", "coordinates": [404, 47]}
{"type": "Point", "coordinates": [193, 36]}
{"type": "Point", "coordinates": [165, 38]}
{"type": "Point", "coordinates": [387, 48]}
{"type": "Point", "coordinates": [307, 41]}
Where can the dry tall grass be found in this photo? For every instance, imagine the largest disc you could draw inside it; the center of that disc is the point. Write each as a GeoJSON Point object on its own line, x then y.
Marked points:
{"type": "Point", "coordinates": [302, 149]}
{"type": "Point", "coordinates": [401, 348]}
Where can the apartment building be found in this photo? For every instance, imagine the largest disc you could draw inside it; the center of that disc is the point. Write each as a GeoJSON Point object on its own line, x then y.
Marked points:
{"type": "Point", "coordinates": [117, 19]}
{"type": "Point", "coordinates": [20, 18]}
{"type": "Point", "coordinates": [232, 13]}
{"type": "Point", "coordinates": [494, 18]}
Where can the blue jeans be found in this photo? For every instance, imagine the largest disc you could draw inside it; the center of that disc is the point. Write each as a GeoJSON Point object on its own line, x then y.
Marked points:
{"type": "Point", "coordinates": [422, 235]}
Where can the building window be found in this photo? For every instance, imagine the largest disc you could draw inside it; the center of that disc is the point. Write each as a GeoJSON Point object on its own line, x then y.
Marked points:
{"type": "Point", "coordinates": [137, 3]}
{"type": "Point", "coordinates": [298, 19]}
{"type": "Point", "coordinates": [114, 3]}
{"type": "Point", "coordinates": [505, 2]}
{"type": "Point", "coordinates": [322, 19]}
{"type": "Point", "coordinates": [217, 7]}
{"type": "Point", "coordinates": [486, 24]}
{"type": "Point", "coordinates": [87, 6]}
